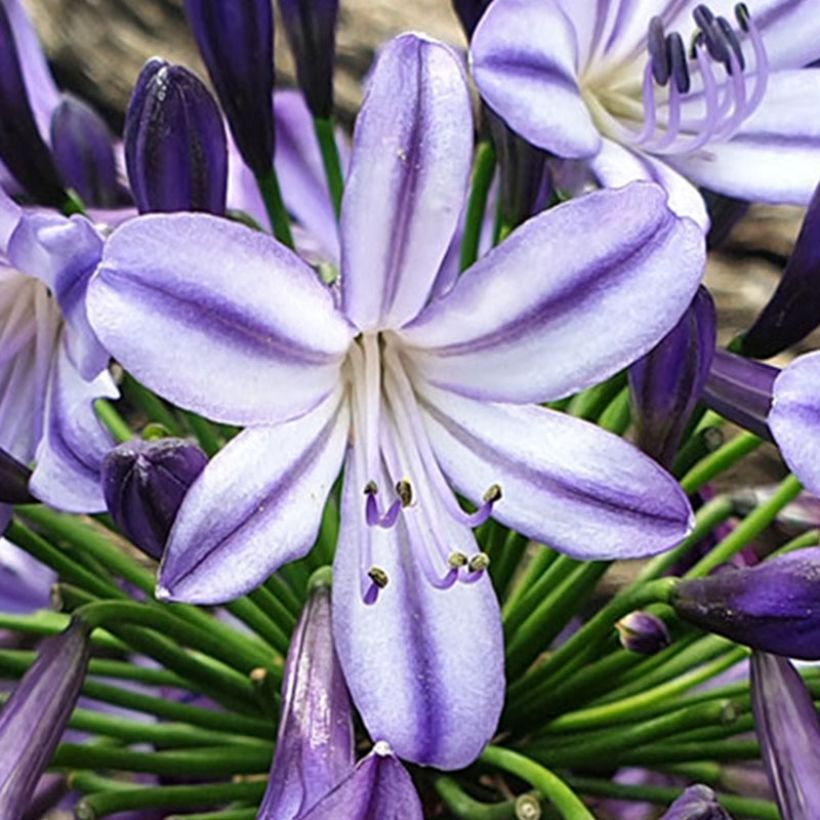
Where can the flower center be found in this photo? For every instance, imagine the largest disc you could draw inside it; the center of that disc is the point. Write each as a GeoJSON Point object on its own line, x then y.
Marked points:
{"type": "Point", "coordinates": [709, 91]}
{"type": "Point", "coordinates": [391, 443]}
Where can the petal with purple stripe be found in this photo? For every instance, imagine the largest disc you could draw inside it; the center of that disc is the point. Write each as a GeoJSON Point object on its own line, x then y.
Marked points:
{"type": "Point", "coordinates": [408, 178]}
{"type": "Point", "coordinates": [525, 62]}
{"type": "Point", "coordinates": [256, 506]}
{"type": "Point", "coordinates": [563, 481]}
{"type": "Point", "coordinates": [217, 318]}
{"type": "Point", "coordinates": [568, 299]}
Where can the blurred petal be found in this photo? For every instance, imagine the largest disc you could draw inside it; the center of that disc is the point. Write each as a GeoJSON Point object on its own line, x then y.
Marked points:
{"type": "Point", "coordinates": [256, 506]}
{"type": "Point", "coordinates": [256, 338]}
{"type": "Point", "coordinates": [408, 178]}
{"type": "Point", "coordinates": [25, 583]}
{"type": "Point", "coordinates": [570, 298]}
{"type": "Point", "coordinates": [563, 481]}
{"type": "Point", "coordinates": [696, 803]}
{"type": "Point", "coordinates": [525, 62]}
{"type": "Point", "coordinates": [10, 213]}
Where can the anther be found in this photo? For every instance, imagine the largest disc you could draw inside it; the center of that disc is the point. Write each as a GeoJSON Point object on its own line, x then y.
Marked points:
{"type": "Point", "coordinates": [457, 560]}
{"type": "Point", "coordinates": [703, 16]}
{"type": "Point", "coordinates": [378, 576]}
{"type": "Point", "coordinates": [656, 44]}
{"type": "Point", "coordinates": [493, 494]}
{"type": "Point", "coordinates": [677, 62]}
{"type": "Point", "coordinates": [731, 38]}
{"type": "Point", "coordinates": [742, 16]}
{"type": "Point", "coordinates": [479, 562]}
{"type": "Point", "coordinates": [370, 488]}
{"type": "Point", "coordinates": [404, 490]}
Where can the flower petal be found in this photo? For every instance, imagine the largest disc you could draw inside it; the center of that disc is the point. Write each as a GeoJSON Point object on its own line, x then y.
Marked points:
{"type": "Point", "coordinates": [10, 213]}
{"type": "Point", "coordinates": [795, 419]}
{"type": "Point", "coordinates": [74, 441]}
{"type": "Point", "coordinates": [570, 298]}
{"type": "Point", "coordinates": [256, 506]}
{"type": "Point", "coordinates": [425, 666]}
{"type": "Point", "coordinates": [408, 178]}
{"type": "Point", "coordinates": [564, 481]}
{"type": "Point", "coordinates": [525, 63]}
{"type": "Point", "coordinates": [775, 157]}
{"type": "Point", "coordinates": [254, 336]}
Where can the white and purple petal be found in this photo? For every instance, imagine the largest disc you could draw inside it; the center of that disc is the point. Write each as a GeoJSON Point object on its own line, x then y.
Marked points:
{"type": "Point", "coordinates": [217, 318]}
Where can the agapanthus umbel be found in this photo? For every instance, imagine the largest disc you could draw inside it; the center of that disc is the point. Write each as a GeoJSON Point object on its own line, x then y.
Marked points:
{"type": "Point", "coordinates": [419, 393]}
{"type": "Point", "coordinates": [676, 92]}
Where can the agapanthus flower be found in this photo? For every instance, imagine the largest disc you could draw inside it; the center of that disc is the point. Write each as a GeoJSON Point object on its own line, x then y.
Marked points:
{"type": "Point", "coordinates": [674, 91]}
{"type": "Point", "coordinates": [419, 397]}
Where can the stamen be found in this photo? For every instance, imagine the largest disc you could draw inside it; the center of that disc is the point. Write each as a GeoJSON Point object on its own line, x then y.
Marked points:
{"type": "Point", "coordinates": [404, 490]}
{"type": "Point", "coordinates": [677, 61]}
{"type": "Point", "coordinates": [457, 560]}
{"type": "Point", "coordinates": [479, 562]}
{"type": "Point", "coordinates": [734, 44]}
{"type": "Point", "coordinates": [372, 510]}
{"type": "Point", "coordinates": [742, 16]}
{"type": "Point", "coordinates": [379, 580]}
{"type": "Point", "coordinates": [658, 55]}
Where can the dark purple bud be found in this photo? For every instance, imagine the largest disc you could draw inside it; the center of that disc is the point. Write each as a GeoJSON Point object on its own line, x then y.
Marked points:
{"type": "Point", "coordinates": [236, 44]}
{"type": "Point", "coordinates": [741, 391]}
{"type": "Point", "coordinates": [175, 147]}
{"type": "Point", "coordinates": [788, 730]}
{"type": "Point", "coordinates": [310, 26]}
{"type": "Point", "coordinates": [771, 607]}
{"type": "Point", "coordinates": [469, 13]}
{"type": "Point", "coordinates": [379, 788]}
{"type": "Point", "coordinates": [14, 478]}
{"type": "Point", "coordinates": [667, 382]}
{"type": "Point", "coordinates": [22, 148]}
{"type": "Point", "coordinates": [315, 746]}
{"type": "Point", "coordinates": [84, 152]}
{"type": "Point", "coordinates": [794, 309]}
{"type": "Point", "coordinates": [643, 632]}
{"type": "Point", "coordinates": [144, 483]}
{"type": "Point", "coordinates": [724, 213]}
{"type": "Point", "coordinates": [33, 719]}
{"type": "Point", "coordinates": [696, 803]}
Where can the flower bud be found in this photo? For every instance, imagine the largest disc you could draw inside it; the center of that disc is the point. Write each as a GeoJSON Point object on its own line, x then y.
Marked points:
{"type": "Point", "coordinates": [22, 148]}
{"type": "Point", "coordinates": [236, 44]}
{"type": "Point", "coordinates": [84, 152]}
{"type": "Point", "coordinates": [741, 390]}
{"type": "Point", "coordinates": [175, 148]}
{"type": "Point", "coordinates": [770, 607]}
{"type": "Point", "coordinates": [794, 309]}
{"type": "Point", "coordinates": [379, 787]}
{"type": "Point", "coordinates": [666, 383]}
{"type": "Point", "coordinates": [144, 483]}
{"type": "Point", "coordinates": [696, 803]}
{"type": "Point", "coordinates": [469, 13]}
{"type": "Point", "coordinates": [310, 26]}
{"type": "Point", "coordinates": [643, 632]}
{"type": "Point", "coordinates": [788, 730]}
{"type": "Point", "coordinates": [315, 746]}
{"type": "Point", "coordinates": [33, 718]}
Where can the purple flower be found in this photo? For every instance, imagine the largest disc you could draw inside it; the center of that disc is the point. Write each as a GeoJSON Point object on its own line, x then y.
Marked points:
{"type": "Point", "coordinates": [771, 607]}
{"type": "Point", "coordinates": [314, 749]}
{"type": "Point", "coordinates": [144, 483]}
{"type": "Point", "coordinates": [685, 96]}
{"type": "Point", "coordinates": [666, 383]}
{"type": "Point", "coordinates": [643, 632]}
{"type": "Point", "coordinates": [696, 803]}
{"type": "Point", "coordinates": [418, 396]}
{"type": "Point", "coordinates": [33, 719]}
{"type": "Point", "coordinates": [788, 730]}
{"type": "Point", "coordinates": [379, 788]}
{"type": "Point", "coordinates": [175, 145]}
{"type": "Point", "coordinates": [52, 367]}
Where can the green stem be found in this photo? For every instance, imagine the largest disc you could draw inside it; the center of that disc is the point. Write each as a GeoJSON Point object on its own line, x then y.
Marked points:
{"type": "Point", "coordinates": [206, 434]}
{"type": "Point", "coordinates": [482, 178]}
{"type": "Point", "coordinates": [618, 414]}
{"type": "Point", "coordinates": [464, 806]}
{"type": "Point", "coordinates": [326, 137]}
{"type": "Point", "coordinates": [505, 555]}
{"type": "Point", "coordinates": [548, 785]}
{"type": "Point", "coordinates": [275, 206]}
{"type": "Point", "coordinates": [282, 591]}
{"type": "Point", "coordinates": [154, 408]}
{"type": "Point", "coordinates": [44, 622]}
{"type": "Point", "coordinates": [518, 608]}
{"type": "Point", "coordinates": [112, 420]}
{"type": "Point", "coordinates": [590, 403]}
{"type": "Point", "coordinates": [721, 460]}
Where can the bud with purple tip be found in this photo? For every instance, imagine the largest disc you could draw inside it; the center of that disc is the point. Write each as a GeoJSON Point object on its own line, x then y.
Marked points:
{"type": "Point", "coordinates": [315, 746]}
{"type": "Point", "coordinates": [236, 44]}
{"type": "Point", "coordinates": [794, 309]}
{"type": "Point", "coordinates": [643, 632]}
{"type": "Point", "coordinates": [175, 147]}
{"type": "Point", "coordinates": [788, 730]}
{"type": "Point", "coordinates": [144, 483]}
{"type": "Point", "coordinates": [741, 390]}
{"type": "Point", "coordinates": [84, 152]}
{"type": "Point", "coordinates": [22, 148]}
{"type": "Point", "coordinates": [33, 718]}
{"type": "Point", "coordinates": [666, 383]}
{"type": "Point", "coordinates": [310, 26]}
{"type": "Point", "coordinates": [771, 607]}
{"type": "Point", "coordinates": [697, 803]}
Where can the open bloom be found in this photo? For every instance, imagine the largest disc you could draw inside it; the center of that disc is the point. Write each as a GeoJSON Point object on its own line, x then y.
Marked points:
{"type": "Point", "coordinates": [419, 395]}
{"type": "Point", "coordinates": [668, 90]}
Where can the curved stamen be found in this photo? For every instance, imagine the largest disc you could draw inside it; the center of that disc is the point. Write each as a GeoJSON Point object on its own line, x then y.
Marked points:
{"type": "Point", "coordinates": [477, 566]}
{"type": "Point", "coordinates": [378, 581]}
{"type": "Point", "coordinates": [748, 26]}
{"type": "Point", "coordinates": [734, 45]}
{"type": "Point", "coordinates": [658, 54]}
